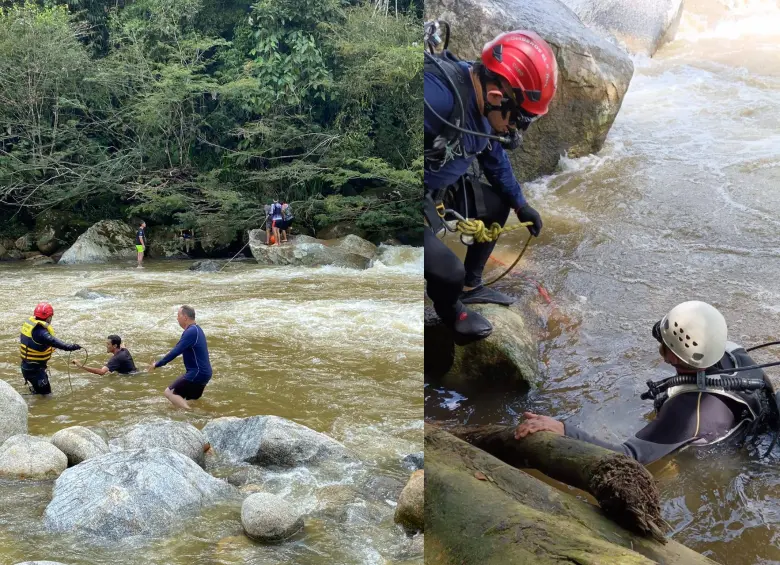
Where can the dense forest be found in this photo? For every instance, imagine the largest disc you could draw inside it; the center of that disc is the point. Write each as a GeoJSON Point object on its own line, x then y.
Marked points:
{"type": "Point", "coordinates": [195, 113]}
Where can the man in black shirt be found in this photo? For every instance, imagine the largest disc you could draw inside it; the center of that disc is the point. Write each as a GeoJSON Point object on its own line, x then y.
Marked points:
{"type": "Point", "coordinates": [121, 361]}
{"type": "Point", "coordinates": [140, 242]}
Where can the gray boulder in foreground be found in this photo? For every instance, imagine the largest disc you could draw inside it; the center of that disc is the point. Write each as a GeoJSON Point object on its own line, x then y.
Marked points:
{"type": "Point", "coordinates": [271, 441]}
{"type": "Point", "coordinates": [139, 492]}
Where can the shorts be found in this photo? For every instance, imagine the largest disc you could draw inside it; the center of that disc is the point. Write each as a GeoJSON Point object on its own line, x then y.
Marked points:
{"type": "Point", "coordinates": [188, 390]}
{"type": "Point", "coordinates": [139, 248]}
{"type": "Point", "coordinates": [284, 224]}
{"type": "Point", "coordinates": [37, 380]}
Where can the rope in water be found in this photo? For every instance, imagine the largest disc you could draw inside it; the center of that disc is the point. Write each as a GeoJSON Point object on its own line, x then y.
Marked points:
{"type": "Point", "coordinates": [86, 358]}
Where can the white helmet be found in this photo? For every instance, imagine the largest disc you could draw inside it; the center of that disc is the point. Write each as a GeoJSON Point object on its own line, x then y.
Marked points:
{"type": "Point", "coordinates": [696, 333]}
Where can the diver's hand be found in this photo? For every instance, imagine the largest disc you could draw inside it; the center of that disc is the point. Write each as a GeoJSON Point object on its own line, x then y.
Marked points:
{"type": "Point", "coordinates": [528, 214]}
{"type": "Point", "coordinates": [74, 347]}
{"type": "Point", "coordinates": [536, 423]}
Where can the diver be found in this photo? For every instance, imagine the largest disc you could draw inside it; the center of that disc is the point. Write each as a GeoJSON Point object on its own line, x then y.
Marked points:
{"type": "Point", "coordinates": [466, 104]}
{"type": "Point", "coordinates": [718, 393]}
{"type": "Point", "coordinates": [36, 345]}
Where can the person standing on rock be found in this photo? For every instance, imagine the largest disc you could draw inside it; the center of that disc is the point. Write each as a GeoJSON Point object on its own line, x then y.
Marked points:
{"type": "Point", "coordinates": [36, 345]}
{"type": "Point", "coordinates": [287, 219]}
{"type": "Point", "coordinates": [195, 354]}
{"type": "Point", "coordinates": [140, 243]}
{"type": "Point", "coordinates": [121, 361]}
{"type": "Point", "coordinates": [276, 220]}
{"type": "Point", "coordinates": [466, 104]}
{"type": "Point", "coordinates": [697, 406]}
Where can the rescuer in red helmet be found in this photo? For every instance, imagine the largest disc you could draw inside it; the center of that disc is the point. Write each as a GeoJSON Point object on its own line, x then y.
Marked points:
{"type": "Point", "coordinates": [476, 112]}
{"type": "Point", "coordinates": [36, 345]}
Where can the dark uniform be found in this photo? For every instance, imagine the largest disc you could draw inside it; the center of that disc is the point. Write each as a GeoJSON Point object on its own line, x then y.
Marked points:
{"type": "Point", "coordinates": [36, 345]}
{"type": "Point", "coordinates": [687, 415]}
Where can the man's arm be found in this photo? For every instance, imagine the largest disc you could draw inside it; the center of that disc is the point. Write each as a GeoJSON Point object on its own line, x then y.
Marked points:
{"type": "Point", "coordinates": [102, 371]}
{"type": "Point", "coordinates": [187, 340]}
{"type": "Point", "coordinates": [43, 336]}
{"type": "Point", "coordinates": [498, 171]}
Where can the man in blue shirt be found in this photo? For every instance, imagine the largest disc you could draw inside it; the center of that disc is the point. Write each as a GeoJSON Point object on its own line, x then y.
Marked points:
{"type": "Point", "coordinates": [465, 105]}
{"type": "Point", "coordinates": [195, 354]}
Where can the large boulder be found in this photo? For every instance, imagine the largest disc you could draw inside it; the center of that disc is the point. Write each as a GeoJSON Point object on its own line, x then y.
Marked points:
{"type": "Point", "coordinates": [643, 26]}
{"type": "Point", "coordinates": [39, 259]}
{"type": "Point", "coordinates": [300, 253]}
{"type": "Point", "coordinates": [24, 243]}
{"type": "Point", "coordinates": [179, 436]}
{"type": "Point", "coordinates": [205, 266]}
{"type": "Point", "coordinates": [508, 357]}
{"type": "Point", "coordinates": [593, 74]}
{"type": "Point", "coordinates": [271, 441]}
{"type": "Point", "coordinates": [410, 510]}
{"type": "Point", "coordinates": [104, 241]}
{"type": "Point", "coordinates": [140, 492]}
{"type": "Point", "coordinates": [357, 245]}
{"type": "Point", "coordinates": [79, 444]}
{"type": "Point", "coordinates": [13, 412]}
{"type": "Point", "coordinates": [268, 518]}
{"type": "Point", "coordinates": [29, 457]}
{"type": "Point", "coordinates": [166, 242]}
{"type": "Point", "coordinates": [47, 241]}
{"type": "Point", "coordinates": [336, 231]}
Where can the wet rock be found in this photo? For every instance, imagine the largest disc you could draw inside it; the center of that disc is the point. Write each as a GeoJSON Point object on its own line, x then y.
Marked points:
{"type": "Point", "coordinates": [593, 74]}
{"type": "Point", "coordinates": [337, 231]}
{"type": "Point", "coordinates": [409, 512]}
{"type": "Point", "coordinates": [246, 475]}
{"type": "Point", "coordinates": [47, 241]}
{"type": "Point", "coordinates": [165, 242]}
{"type": "Point", "coordinates": [3, 251]}
{"type": "Point", "coordinates": [381, 487]}
{"type": "Point", "coordinates": [104, 241]}
{"type": "Point", "coordinates": [101, 432]}
{"type": "Point", "coordinates": [409, 549]}
{"type": "Point", "coordinates": [643, 26]}
{"type": "Point", "coordinates": [40, 260]}
{"type": "Point", "coordinates": [30, 254]}
{"type": "Point", "coordinates": [145, 492]}
{"type": "Point", "coordinates": [333, 500]}
{"type": "Point", "coordinates": [268, 518]}
{"type": "Point", "coordinates": [357, 245]}
{"type": "Point", "coordinates": [79, 444]}
{"type": "Point", "coordinates": [29, 457]}
{"type": "Point", "coordinates": [24, 243]}
{"type": "Point", "coordinates": [302, 253]}
{"type": "Point", "coordinates": [15, 255]}
{"type": "Point", "coordinates": [179, 436]}
{"type": "Point", "coordinates": [414, 461]}
{"type": "Point", "coordinates": [89, 294]}
{"type": "Point", "coordinates": [13, 412]}
{"type": "Point", "coordinates": [272, 442]}
{"type": "Point", "coordinates": [508, 357]}
{"type": "Point", "coordinates": [206, 266]}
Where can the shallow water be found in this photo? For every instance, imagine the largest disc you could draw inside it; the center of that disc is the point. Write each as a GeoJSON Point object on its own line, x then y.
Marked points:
{"type": "Point", "coordinates": [682, 203]}
{"type": "Point", "coordinates": [337, 350]}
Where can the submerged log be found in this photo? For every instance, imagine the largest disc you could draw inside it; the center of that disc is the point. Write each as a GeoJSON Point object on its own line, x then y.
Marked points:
{"type": "Point", "coordinates": [481, 511]}
{"type": "Point", "coordinates": [624, 489]}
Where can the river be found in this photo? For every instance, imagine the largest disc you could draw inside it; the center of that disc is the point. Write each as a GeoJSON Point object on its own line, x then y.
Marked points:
{"type": "Point", "coordinates": [682, 203]}
{"type": "Point", "coordinates": [338, 350]}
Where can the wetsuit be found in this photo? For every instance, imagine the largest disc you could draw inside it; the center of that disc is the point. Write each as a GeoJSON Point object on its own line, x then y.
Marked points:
{"type": "Point", "coordinates": [36, 345]}
{"type": "Point", "coordinates": [444, 272]}
{"type": "Point", "coordinates": [195, 354]}
{"type": "Point", "coordinates": [693, 418]}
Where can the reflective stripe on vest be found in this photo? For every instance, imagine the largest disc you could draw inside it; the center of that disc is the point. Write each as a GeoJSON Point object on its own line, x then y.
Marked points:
{"type": "Point", "coordinates": [29, 349]}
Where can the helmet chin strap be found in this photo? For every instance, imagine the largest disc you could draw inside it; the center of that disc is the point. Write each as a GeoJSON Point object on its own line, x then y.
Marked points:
{"type": "Point", "coordinates": [700, 380]}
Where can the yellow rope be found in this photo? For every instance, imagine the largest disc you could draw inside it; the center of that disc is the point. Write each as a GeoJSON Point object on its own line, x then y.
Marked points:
{"type": "Point", "coordinates": [483, 234]}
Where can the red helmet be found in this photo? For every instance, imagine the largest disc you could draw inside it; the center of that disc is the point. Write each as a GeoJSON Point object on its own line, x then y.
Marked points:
{"type": "Point", "coordinates": [528, 64]}
{"type": "Point", "coordinates": [43, 311]}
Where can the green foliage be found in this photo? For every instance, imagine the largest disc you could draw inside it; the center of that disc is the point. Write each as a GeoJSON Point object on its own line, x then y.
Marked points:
{"type": "Point", "coordinates": [196, 113]}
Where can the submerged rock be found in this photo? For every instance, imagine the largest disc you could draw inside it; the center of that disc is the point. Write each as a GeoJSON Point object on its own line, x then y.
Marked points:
{"type": "Point", "coordinates": [507, 357]}
{"type": "Point", "coordinates": [410, 510]}
{"type": "Point", "coordinates": [13, 412]}
{"type": "Point", "coordinates": [268, 518]}
{"type": "Point", "coordinates": [146, 492]}
{"type": "Point", "coordinates": [104, 241]}
{"type": "Point", "coordinates": [593, 74]}
{"type": "Point", "coordinates": [89, 294]}
{"type": "Point", "coordinates": [30, 457]}
{"type": "Point", "coordinates": [205, 266]}
{"type": "Point", "coordinates": [179, 436]}
{"type": "Point", "coordinates": [303, 253]}
{"type": "Point", "coordinates": [414, 461]}
{"type": "Point", "coordinates": [271, 441]}
{"type": "Point", "coordinates": [79, 444]}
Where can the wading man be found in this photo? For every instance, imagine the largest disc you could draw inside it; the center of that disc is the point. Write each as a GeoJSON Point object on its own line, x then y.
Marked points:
{"type": "Point", "coordinates": [121, 361]}
{"type": "Point", "coordinates": [195, 354]}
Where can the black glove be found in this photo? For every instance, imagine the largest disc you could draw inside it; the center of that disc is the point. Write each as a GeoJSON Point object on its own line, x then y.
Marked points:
{"type": "Point", "coordinates": [528, 214]}
{"type": "Point", "coordinates": [515, 140]}
{"type": "Point", "coordinates": [74, 347]}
